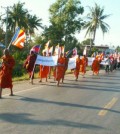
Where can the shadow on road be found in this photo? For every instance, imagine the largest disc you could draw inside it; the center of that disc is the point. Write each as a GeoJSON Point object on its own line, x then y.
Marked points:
{"type": "Point", "coordinates": [35, 100]}
{"type": "Point", "coordinates": [24, 118]}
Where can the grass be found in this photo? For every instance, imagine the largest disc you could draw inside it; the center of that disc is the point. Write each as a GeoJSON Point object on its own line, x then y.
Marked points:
{"type": "Point", "coordinates": [36, 75]}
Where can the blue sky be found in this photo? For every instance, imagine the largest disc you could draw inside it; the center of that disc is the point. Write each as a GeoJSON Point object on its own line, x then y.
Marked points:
{"type": "Point", "coordinates": [40, 8]}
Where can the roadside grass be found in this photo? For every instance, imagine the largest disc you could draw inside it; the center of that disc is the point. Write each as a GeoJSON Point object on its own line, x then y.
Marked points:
{"type": "Point", "coordinates": [36, 75]}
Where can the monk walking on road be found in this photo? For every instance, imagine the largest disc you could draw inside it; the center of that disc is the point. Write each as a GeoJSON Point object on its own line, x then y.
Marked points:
{"type": "Point", "coordinates": [6, 69]}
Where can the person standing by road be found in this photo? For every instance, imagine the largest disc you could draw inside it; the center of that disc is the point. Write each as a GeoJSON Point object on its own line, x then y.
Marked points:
{"type": "Point", "coordinates": [6, 69]}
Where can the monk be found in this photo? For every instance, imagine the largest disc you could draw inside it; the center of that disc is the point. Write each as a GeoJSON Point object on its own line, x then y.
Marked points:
{"type": "Point", "coordinates": [6, 69]}
{"type": "Point", "coordinates": [44, 70]}
{"type": "Point", "coordinates": [96, 66]}
{"type": "Point", "coordinates": [77, 69]}
{"type": "Point", "coordinates": [84, 64]}
{"type": "Point", "coordinates": [59, 69]}
{"type": "Point", "coordinates": [29, 65]}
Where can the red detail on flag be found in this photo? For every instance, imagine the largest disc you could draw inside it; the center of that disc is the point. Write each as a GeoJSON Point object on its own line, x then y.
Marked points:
{"type": "Point", "coordinates": [35, 48]}
{"type": "Point", "coordinates": [20, 39]}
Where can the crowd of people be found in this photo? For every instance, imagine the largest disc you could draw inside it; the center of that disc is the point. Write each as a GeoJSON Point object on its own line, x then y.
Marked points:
{"type": "Point", "coordinates": [58, 72]}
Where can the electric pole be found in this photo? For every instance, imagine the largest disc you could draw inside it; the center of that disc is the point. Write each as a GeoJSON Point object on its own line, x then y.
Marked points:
{"type": "Point", "coordinates": [6, 32]}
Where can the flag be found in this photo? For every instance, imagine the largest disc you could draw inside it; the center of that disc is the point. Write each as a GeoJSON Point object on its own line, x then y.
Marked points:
{"type": "Point", "coordinates": [57, 50]}
{"type": "Point", "coordinates": [75, 51]}
{"type": "Point", "coordinates": [18, 38]}
{"type": "Point", "coordinates": [36, 48]}
{"type": "Point", "coordinates": [51, 50]}
{"type": "Point", "coordinates": [47, 45]}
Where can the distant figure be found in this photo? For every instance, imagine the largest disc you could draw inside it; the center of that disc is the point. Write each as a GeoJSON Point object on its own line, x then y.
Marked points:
{"type": "Point", "coordinates": [77, 69]}
{"type": "Point", "coordinates": [96, 66]}
{"type": "Point", "coordinates": [6, 69]}
{"type": "Point", "coordinates": [44, 70]}
{"type": "Point", "coordinates": [29, 64]}
{"type": "Point", "coordinates": [59, 69]}
{"type": "Point", "coordinates": [84, 64]}
{"type": "Point", "coordinates": [107, 66]}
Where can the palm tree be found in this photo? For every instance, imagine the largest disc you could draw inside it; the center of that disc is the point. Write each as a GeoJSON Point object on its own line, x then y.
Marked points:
{"type": "Point", "coordinates": [33, 22]}
{"type": "Point", "coordinates": [95, 21]}
{"type": "Point", "coordinates": [16, 16]}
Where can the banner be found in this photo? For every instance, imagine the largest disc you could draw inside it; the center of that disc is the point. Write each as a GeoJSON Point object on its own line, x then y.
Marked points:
{"type": "Point", "coordinates": [46, 61]}
{"type": "Point", "coordinates": [90, 60]}
{"type": "Point", "coordinates": [105, 62]}
{"type": "Point", "coordinates": [72, 63]}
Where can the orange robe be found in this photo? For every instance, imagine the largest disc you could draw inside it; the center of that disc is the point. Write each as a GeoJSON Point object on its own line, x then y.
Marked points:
{"type": "Point", "coordinates": [66, 64]}
{"type": "Point", "coordinates": [44, 70]}
{"type": "Point", "coordinates": [59, 70]}
{"type": "Point", "coordinates": [84, 63]}
{"type": "Point", "coordinates": [77, 69]}
{"type": "Point", "coordinates": [6, 72]}
{"type": "Point", "coordinates": [96, 66]}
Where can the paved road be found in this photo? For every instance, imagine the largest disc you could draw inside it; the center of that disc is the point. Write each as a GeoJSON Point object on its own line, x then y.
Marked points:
{"type": "Point", "coordinates": [88, 106]}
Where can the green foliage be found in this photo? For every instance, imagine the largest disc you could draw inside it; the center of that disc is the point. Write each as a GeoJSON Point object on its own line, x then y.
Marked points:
{"type": "Point", "coordinates": [65, 19]}
{"type": "Point", "coordinates": [95, 20]}
{"type": "Point", "coordinates": [87, 42]}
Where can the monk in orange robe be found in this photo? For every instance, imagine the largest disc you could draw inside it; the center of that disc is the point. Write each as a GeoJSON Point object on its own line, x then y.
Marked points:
{"type": "Point", "coordinates": [77, 69]}
{"type": "Point", "coordinates": [6, 69]}
{"type": "Point", "coordinates": [96, 66]}
{"type": "Point", "coordinates": [59, 69]}
{"type": "Point", "coordinates": [29, 65]}
{"type": "Point", "coordinates": [84, 64]}
{"type": "Point", "coordinates": [44, 70]}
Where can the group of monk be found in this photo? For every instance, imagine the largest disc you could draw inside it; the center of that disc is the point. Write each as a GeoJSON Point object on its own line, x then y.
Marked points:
{"type": "Point", "coordinates": [45, 72]}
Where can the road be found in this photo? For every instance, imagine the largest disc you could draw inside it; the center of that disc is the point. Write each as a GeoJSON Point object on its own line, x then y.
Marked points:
{"type": "Point", "coordinates": [90, 105]}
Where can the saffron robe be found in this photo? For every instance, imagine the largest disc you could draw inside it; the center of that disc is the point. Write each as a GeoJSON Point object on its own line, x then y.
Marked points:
{"type": "Point", "coordinates": [84, 63]}
{"type": "Point", "coordinates": [6, 71]}
{"type": "Point", "coordinates": [96, 66]}
{"type": "Point", "coordinates": [77, 69]}
{"type": "Point", "coordinates": [59, 69]}
{"type": "Point", "coordinates": [44, 70]}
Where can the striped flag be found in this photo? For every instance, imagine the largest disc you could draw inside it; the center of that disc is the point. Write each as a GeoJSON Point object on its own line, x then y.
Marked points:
{"type": "Point", "coordinates": [36, 49]}
{"type": "Point", "coordinates": [19, 38]}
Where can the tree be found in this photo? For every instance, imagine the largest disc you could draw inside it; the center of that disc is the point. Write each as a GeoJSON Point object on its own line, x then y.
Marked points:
{"type": "Point", "coordinates": [16, 16]}
{"type": "Point", "coordinates": [65, 20]}
{"type": "Point", "coordinates": [87, 42]}
{"type": "Point", "coordinates": [95, 21]}
{"type": "Point", "coordinates": [33, 22]}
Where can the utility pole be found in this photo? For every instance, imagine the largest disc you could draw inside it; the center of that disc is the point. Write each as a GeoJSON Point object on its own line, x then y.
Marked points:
{"type": "Point", "coordinates": [6, 32]}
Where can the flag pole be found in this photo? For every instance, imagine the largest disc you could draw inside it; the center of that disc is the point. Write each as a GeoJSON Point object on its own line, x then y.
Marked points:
{"type": "Point", "coordinates": [9, 45]}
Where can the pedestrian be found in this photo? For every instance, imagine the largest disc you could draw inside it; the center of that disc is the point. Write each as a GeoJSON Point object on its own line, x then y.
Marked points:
{"type": "Point", "coordinates": [6, 69]}
{"type": "Point", "coordinates": [44, 70]}
{"type": "Point", "coordinates": [96, 66]}
{"type": "Point", "coordinates": [29, 65]}
{"type": "Point", "coordinates": [59, 69]}
{"type": "Point", "coordinates": [77, 69]}
{"type": "Point", "coordinates": [84, 64]}
{"type": "Point", "coordinates": [107, 66]}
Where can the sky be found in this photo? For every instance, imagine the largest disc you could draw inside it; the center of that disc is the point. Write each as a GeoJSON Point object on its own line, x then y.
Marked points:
{"type": "Point", "coordinates": [40, 9]}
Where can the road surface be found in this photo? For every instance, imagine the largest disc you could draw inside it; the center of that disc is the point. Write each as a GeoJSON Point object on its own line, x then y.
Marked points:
{"type": "Point", "coordinates": [90, 105]}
